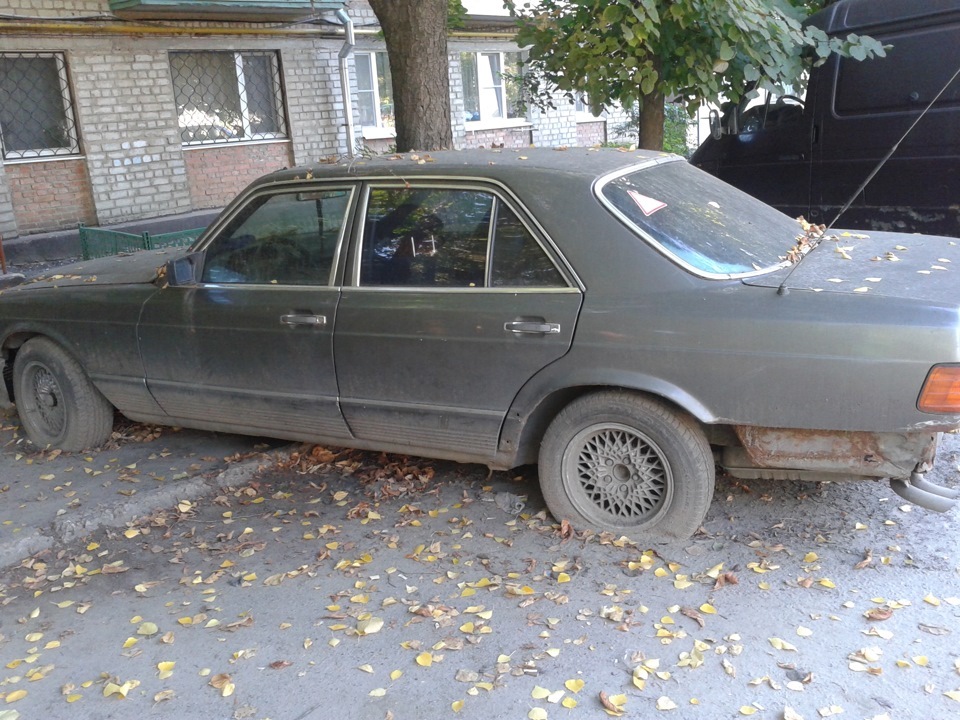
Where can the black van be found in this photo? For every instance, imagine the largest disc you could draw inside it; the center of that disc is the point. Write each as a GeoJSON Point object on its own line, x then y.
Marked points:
{"type": "Point", "coordinates": [808, 156]}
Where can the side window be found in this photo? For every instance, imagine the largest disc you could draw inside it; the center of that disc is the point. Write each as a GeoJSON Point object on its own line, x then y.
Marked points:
{"type": "Point", "coordinates": [281, 239]}
{"type": "Point", "coordinates": [518, 259]}
{"type": "Point", "coordinates": [907, 79]}
{"type": "Point", "coordinates": [426, 237]}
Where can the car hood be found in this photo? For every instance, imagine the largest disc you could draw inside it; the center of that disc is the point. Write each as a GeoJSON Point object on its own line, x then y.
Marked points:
{"type": "Point", "coordinates": [922, 267]}
{"type": "Point", "coordinates": [136, 268]}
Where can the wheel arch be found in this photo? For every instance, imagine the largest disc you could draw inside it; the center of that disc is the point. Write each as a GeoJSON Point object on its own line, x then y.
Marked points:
{"type": "Point", "coordinates": [8, 353]}
{"type": "Point", "coordinates": [534, 409]}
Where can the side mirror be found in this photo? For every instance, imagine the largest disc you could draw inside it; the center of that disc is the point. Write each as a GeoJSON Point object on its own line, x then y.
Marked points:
{"type": "Point", "coordinates": [183, 270]}
{"type": "Point", "coordinates": [716, 129]}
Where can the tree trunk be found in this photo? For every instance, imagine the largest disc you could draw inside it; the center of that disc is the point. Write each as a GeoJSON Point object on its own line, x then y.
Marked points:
{"type": "Point", "coordinates": [416, 35]}
{"type": "Point", "coordinates": [650, 136]}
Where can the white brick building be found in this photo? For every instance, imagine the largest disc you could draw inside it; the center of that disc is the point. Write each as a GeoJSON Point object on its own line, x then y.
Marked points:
{"type": "Point", "coordinates": [119, 110]}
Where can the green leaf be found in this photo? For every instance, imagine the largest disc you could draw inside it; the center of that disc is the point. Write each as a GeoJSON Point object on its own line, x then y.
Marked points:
{"type": "Point", "coordinates": [727, 53]}
{"type": "Point", "coordinates": [612, 14]}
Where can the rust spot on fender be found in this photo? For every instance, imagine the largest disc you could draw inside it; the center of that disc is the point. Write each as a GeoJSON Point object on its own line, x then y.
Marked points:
{"type": "Point", "coordinates": [870, 454]}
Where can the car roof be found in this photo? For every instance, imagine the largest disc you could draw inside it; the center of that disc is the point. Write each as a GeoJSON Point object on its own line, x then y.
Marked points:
{"type": "Point", "coordinates": [499, 164]}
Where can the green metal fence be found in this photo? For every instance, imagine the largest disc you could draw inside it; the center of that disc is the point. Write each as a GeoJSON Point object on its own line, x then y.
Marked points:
{"type": "Point", "coordinates": [101, 242]}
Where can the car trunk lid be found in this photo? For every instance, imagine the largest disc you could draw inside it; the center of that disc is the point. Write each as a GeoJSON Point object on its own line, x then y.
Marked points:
{"type": "Point", "coordinates": [922, 267]}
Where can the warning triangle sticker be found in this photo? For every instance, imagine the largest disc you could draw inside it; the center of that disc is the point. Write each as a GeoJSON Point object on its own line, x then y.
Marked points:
{"type": "Point", "coordinates": [646, 204]}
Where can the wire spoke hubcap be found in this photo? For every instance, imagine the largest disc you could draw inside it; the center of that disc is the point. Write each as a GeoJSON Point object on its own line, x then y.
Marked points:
{"type": "Point", "coordinates": [616, 472]}
{"type": "Point", "coordinates": [47, 400]}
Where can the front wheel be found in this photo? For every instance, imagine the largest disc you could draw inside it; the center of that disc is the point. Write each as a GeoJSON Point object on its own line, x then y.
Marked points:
{"type": "Point", "coordinates": [625, 463]}
{"type": "Point", "coordinates": [58, 405]}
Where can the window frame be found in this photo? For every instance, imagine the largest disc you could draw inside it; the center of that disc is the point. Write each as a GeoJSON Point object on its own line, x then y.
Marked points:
{"type": "Point", "coordinates": [69, 113]}
{"type": "Point", "coordinates": [500, 90]}
{"type": "Point", "coordinates": [276, 92]}
{"type": "Point", "coordinates": [381, 128]}
{"type": "Point", "coordinates": [262, 196]}
{"type": "Point", "coordinates": [500, 194]}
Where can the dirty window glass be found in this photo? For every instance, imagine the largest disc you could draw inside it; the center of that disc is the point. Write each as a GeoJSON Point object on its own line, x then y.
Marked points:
{"type": "Point", "coordinates": [702, 222]}
{"type": "Point", "coordinates": [518, 259]}
{"type": "Point", "coordinates": [280, 239]}
{"type": "Point", "coordinates": [426, 237]}
{"type": "Point", "coordinates": [896, 83]}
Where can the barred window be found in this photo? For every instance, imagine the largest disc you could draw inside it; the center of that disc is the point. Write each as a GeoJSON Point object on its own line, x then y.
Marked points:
{"type": "Point", "coordinates": [228, 96]}
{"type": "Point", "coordinates": [36, 108]}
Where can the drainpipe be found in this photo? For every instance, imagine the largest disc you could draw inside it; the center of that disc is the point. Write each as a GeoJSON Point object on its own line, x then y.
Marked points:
{"type": "Point", "coordinates": [345, 51]}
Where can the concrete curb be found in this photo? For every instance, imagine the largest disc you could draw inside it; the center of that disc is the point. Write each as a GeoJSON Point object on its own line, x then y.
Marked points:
{"type": "Point", "coordinates": [118, 514]}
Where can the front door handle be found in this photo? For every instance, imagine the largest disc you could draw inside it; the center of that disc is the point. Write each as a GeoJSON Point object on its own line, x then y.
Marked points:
{"type": "Point", "coordinates": [309, 320]}
{"type": "Point", "coordinates": [527, 327]}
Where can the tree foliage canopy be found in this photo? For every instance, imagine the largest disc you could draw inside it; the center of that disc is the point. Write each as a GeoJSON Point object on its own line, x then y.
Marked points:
{"type": "Point", "coordinates": [638, 51]}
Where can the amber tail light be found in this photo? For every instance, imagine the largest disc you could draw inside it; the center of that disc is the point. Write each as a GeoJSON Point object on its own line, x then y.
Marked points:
{"type": "Point", "coordinates": [941, 390]}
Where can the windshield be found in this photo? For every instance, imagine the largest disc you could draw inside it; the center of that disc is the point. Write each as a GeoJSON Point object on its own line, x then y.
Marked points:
{"type": "Point", "coordinates": [702, 223]}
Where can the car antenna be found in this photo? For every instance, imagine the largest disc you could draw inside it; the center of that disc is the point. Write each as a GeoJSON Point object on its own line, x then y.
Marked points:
{"type": "Point", "coordinates": [782, 289]}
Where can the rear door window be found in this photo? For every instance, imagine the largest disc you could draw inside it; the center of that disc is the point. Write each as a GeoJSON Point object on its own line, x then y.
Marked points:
{"type": "Point", "coordinates": [427, 237]}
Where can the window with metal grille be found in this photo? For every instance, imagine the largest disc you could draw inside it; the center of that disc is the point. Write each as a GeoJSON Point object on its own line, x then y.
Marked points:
{"type": "Point", "coordinates": [36, 108]}
{"type": "Point", "coordinates": [228, 96]}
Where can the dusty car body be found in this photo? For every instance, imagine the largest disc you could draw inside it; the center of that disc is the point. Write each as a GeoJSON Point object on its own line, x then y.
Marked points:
{"type": "Point", "coordinates": [623, 319]}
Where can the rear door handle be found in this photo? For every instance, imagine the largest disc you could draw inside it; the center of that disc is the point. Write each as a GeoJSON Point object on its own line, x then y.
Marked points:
{"type": "Point", "coordinates": [309, 320]}
{"type": "Point", "coordinates": [527, 327]}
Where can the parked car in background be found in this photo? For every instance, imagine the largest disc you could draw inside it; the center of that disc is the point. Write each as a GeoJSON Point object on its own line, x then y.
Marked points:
{"type": "Point", "coordinates": [622, 319]}
{"type": "Point", "coordinates": [807, 156]}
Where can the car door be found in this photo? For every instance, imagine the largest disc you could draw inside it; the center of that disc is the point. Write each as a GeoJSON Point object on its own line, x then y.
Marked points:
{"type": "Point", "coordinates": [454, 303]}
{"type": "Point", "coordinates": [249, 346]}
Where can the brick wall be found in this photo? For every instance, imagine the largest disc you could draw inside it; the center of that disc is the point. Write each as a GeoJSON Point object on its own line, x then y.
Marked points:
{"type": "Point", "coordinates": [129, 126]}
{"type": "Point", "coordinates": [217, 174]}
{"type": "Point", "coordinates": [514, 137]}
{"type": "Point", "coordinates": [8, 221]}
{"type": "Point", "coordinates": [55, 8]}
{"type": "Point", "coordinates": [314, 103]}
{"type": "Point", "coordinates": [50, 195]}
{"type": "Point", "coordinates": [591, 133]}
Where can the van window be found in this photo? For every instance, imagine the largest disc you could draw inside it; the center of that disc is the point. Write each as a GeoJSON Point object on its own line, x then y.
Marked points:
{"type": "Point", "coordinates": [889, 85]}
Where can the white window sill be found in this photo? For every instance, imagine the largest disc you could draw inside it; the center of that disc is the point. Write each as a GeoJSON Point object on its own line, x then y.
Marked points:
{"type": "Point", "coordinates": [498, 124]}
{"type": "Point", "coordinates": [589, 118]}
{"type": "Point", "coordinates": [196, 145]}
{"type": "Point", "coordinates": [378, 133]}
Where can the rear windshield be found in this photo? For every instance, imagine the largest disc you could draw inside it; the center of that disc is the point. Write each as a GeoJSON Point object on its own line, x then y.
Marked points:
{"type": "Point", "coordinates": [699, 221]}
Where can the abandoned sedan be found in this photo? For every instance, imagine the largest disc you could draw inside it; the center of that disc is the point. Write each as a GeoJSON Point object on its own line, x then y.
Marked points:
{"type": "Point", "coordinates": [623, 319]}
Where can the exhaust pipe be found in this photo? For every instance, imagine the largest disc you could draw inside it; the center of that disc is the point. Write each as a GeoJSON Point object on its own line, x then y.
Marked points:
{"type": "Point", "coordinates": [926, 494]}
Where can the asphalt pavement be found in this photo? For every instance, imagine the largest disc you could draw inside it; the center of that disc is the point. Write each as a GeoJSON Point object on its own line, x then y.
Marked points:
{"type": "Point", "coordinates": [49, 498]}
{"type": "Point", "coordinates": [322, 583]}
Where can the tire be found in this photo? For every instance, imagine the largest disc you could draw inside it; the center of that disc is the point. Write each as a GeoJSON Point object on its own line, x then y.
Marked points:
{"type": "Point", "coordinates": [625, 463]}
{"type": "Point", "coordinates": [58, 405]}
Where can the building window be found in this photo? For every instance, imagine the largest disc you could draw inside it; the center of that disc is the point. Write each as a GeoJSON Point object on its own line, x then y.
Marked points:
{"type": "Point", "coordinates": [374, 90]}
{"type": "Point", "coordinates": [36, 108]}
{"type": "Point", "coordinates": [489, 93]}
{"type": "Point", "coordinates": [228, 96]}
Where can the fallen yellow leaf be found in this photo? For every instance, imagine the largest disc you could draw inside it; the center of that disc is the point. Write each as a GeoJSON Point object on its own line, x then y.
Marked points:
{"type": "Point", "coordinates": [574, 685]}
{"type": "Point", "coordinates": [665, 703]}
{"type": "Point", "coordinates": [425, 659]}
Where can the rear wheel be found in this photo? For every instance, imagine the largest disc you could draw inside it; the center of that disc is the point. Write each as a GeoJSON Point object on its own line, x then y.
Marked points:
{"type": "Point", "coordinates": [58, 405]}
{"type": "Point", "coordinates": [626, 463]}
